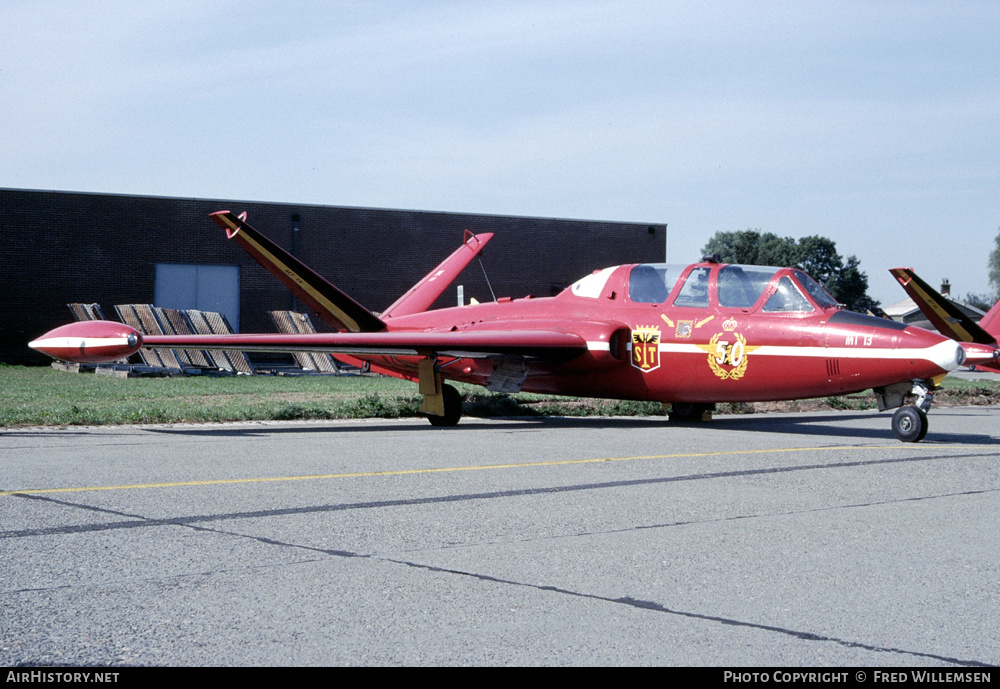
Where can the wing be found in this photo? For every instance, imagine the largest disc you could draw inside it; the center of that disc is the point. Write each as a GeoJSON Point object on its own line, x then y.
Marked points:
{"type": "Point", "coordinates": [93, 342]}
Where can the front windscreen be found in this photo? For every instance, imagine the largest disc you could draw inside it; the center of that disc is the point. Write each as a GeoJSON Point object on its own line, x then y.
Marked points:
{"type": "Point", "coordinates": [787, 299]}
{"type": "Point", "coordinates": [815, 290]}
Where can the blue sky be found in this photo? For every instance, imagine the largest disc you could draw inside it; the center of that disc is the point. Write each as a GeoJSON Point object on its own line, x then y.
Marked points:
{"type": "Point", "coordinates": [876, 124]}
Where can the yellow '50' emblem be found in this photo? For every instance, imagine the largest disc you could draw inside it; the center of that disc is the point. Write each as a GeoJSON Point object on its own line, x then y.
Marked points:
{"type": "Point", "coordinates": [728, 357]}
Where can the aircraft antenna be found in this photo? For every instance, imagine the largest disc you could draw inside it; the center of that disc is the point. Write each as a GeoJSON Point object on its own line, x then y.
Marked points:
{"type": "Point", "coordinates": [492, 294]}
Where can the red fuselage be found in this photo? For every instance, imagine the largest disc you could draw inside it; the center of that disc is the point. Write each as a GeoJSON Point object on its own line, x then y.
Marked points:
{"type": "Point", "coordinates": [689, 341]}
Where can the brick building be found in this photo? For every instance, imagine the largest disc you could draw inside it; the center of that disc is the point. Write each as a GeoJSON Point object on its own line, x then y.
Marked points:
{"type": "Point", "coordinates": [61, 247]}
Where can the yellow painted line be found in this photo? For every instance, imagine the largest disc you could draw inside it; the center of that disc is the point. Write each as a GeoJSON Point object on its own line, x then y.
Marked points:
{"type": "Point", "coordinates": [485, 467]}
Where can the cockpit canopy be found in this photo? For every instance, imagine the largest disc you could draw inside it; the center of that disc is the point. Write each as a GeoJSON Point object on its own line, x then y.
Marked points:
{"type": "Point", "coordinates": [732, 286]}
{"type": "Point", "coordinates": [787, 290]}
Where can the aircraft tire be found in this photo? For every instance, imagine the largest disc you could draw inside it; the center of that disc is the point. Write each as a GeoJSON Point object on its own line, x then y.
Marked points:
{"type": "Point", "coordinates": [452, 409]}
{"type": "Point", "coordinates": [909, 424]}
{"type": "Point", "coordinates": [688, 412]}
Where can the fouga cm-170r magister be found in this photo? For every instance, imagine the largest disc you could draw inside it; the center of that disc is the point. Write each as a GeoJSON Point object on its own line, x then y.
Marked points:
{"type": "Point", "coordinates": [691, 336]}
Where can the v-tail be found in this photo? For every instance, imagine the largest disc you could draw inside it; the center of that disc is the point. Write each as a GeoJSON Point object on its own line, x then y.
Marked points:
{"type": "Point", "coordinates": [980, 340]}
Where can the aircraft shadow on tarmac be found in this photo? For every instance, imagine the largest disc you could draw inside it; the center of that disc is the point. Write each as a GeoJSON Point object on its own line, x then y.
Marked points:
{"type": "Point", "coordinates": [829, 425]}
{"type": "Point", "coordinates": [832, 425]}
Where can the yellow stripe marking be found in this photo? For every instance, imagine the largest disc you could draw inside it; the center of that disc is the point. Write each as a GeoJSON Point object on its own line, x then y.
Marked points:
{"type": "Point", "coordinates": [956, 328]}
{"type": "Point", "coordinates": [323, 301]}
{"type": "Point", "coordinates": [338, 313]}
{"type": "Point", "coordinates": [485, 467]}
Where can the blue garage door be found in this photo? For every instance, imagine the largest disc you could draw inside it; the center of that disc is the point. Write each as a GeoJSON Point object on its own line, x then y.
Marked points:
{"type": "Point", "coordinates": [203, 287]}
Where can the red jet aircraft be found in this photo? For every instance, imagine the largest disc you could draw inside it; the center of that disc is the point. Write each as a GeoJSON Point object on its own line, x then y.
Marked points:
{"type": "Point", "coordinates": [690, 335]}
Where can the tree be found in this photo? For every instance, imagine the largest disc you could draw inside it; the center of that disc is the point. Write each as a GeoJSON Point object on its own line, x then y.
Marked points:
{"type": "Point", "coordinates": [994, 266]}
{"type": "Point", "coordinates": [850, 287]}
{"type": "Point", "coordinates": [753, 248]}
{"type": "Point", "coordinates": [815, 255]}
{"type": "Point", "coordinates": [818, 256]}
{"type": "Point", "coordinates": [983, 302]}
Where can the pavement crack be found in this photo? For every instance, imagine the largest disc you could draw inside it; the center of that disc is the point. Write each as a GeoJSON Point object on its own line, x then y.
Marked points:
{"type": "Point", "coordinates": [660, 608]}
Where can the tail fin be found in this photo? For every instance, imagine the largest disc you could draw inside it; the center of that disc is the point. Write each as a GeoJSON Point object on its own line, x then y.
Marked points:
{"type": "Point", "coordinates": [420, 297]}
{"type": "Point", "coordinates": [991, 321]}
{"type": "Point", "coordinates": [945, 316]}
{"type": "Point", "coordinates": [950, 321]}
{"type": "Point", "coordinates": [335, 308]}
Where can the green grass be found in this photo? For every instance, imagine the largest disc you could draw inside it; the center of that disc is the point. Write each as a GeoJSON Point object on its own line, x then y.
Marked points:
{"type": "Point", "coordinates": [45, 396]}
{"type": "Point", "coordinates": [42, 396]}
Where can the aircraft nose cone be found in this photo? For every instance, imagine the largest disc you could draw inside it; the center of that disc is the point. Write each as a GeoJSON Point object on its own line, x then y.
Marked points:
{"type": "Point", "coordinates": [940, 352]}
{"type": "Point", "coordinates": [949, 355]}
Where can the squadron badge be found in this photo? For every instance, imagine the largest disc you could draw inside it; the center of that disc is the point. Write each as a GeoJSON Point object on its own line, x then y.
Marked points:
{"type": "Point", "coordinates": [646, 347]}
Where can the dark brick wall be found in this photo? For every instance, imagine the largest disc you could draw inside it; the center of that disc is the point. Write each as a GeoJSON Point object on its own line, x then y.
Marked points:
{"type": "Point", "coordinates": [60, 247]}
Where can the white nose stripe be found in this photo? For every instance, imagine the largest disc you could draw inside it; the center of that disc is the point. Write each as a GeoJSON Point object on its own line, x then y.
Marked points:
{"type": "Point", "coordinates": [78, 342]}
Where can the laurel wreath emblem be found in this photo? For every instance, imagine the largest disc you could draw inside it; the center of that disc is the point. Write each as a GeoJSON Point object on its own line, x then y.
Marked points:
{"type": "Point", "coordinates": [740, 370]}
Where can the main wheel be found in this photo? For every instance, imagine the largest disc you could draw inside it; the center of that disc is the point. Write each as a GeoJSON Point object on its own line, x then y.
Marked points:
{"type": "Point", "coordinates": [452, 409]}
{"type": "Point", "coordinates": [909, 424]}
{"type": "Point", "coordinates": [688, 412]}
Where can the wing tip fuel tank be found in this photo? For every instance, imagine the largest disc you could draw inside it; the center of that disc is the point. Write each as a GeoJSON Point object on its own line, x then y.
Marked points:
{"type": "Point", "coordinates": [89, 342]}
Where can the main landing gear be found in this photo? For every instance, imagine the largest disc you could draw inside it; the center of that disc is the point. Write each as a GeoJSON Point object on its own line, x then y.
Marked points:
{"type": "Point", "coordinates": [909, 423]}
{"type": "Point", "coordinates": [689, 412]}
{"type": "Point", "coordinates": [442, 404]}
{"type": "Point", "coordinates": [452, 409]}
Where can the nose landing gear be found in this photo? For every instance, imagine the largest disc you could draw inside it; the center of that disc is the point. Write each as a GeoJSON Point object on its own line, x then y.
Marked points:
{"type": "Point", "coordinates": [909, 423]}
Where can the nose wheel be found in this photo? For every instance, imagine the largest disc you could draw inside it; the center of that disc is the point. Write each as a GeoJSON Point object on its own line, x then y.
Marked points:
{"type": "Point", "coordinates": [909, 424]}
